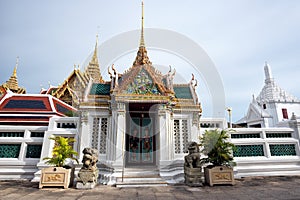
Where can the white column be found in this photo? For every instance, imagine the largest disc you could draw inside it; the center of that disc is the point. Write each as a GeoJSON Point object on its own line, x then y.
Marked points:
{"type": "Point", "coordinates": [162, 134]}
{"type": "Point", "coordinates": [110, 139]}
{"type": "Point", "coordinates": [47, 147]}
{"type": "Point", "coordinates": [165, 151]}
{"type": "Point", "coordinates": [195, 127]}
{"type": "Point", "coordinates": [120, 135]}
{"type": "Point", "coordinates": [84, 137]}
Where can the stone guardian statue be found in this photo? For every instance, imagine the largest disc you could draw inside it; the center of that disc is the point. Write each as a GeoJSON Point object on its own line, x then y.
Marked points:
{"type": "Point", "coordinates": [193, 166]}
{"type": "Point", "coordinates": [88, 174]}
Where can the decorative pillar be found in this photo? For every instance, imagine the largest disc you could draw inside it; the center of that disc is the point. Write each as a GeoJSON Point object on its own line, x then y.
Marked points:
{"type": "Point", "coordinates": [195, 128]}
{"type": "Point", "coordinates": [84, 133]}
{"type": "Point", "coordinates": [110, 139]}
{"type": "Point", "coordinates": [120, 128]}
{"type": "Point", "coordinates": [165, 151]}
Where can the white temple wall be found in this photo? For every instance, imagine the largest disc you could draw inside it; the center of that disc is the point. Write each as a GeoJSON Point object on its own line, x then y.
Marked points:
{"type": "Point", "coordinates": [275, 110]}
{"type": "Point", "coordinates": [290, 107]}
{"type": "Point", "coordinates": [95, 132]}
{"type": "Point", "coordinates": [57, 128]}
{"type": "Point", "coordinates": [19, 161]}
{"type": "Point", "coordinates": [266, 151]}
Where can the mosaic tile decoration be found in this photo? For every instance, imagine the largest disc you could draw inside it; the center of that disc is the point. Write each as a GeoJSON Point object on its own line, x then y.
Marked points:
{"type": "Point", "coordinates": [142, 84]}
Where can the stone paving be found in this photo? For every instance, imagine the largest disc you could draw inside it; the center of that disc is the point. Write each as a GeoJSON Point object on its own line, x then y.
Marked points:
{"type": "Point", "coordinates": [280, 187]}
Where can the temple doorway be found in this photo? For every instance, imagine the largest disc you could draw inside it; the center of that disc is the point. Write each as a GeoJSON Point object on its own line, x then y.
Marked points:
{"type": "Point", "coordinates": [140, 135]}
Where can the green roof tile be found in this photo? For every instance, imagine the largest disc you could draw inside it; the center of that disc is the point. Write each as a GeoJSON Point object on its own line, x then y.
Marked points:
{"type": "Point", "coordinates": [183, 92]}
{"type": "Point", "coordinates": [100, 89]}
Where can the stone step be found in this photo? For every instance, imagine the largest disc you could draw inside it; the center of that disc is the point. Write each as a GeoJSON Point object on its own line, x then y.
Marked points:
{"type": "Point", "coordinates": [140, 179]}
{"type": "Point", "coordinates": [141, 173]}
{"type": "Point", "coordinates": [147, 169]}
{"type": "Point", "coordinates": [137, 177]}
{"type": "Point", "coordinates": [141, 182]}
{"type": "Point", "coordinates": [127, 185]}
{"type": "Point", "coordinates": [140, 176]}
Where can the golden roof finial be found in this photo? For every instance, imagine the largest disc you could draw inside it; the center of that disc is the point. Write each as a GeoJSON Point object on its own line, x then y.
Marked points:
{"type": "Point", "coordinates": [141, 57]}
{"type": "Point", "coordinates": [15, 69]}
{"type": "Point", "coordinates": [142, 42]}
{"type": "Point", "coordinates": [93, 69]}
{"type": "Point", "coordinates": [12, 82]}
{"type": "Point", "coordinates": [95, 55]}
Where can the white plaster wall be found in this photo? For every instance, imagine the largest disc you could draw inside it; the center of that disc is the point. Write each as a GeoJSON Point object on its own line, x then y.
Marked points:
{"type": "Point", "coordinates": [266, 165]}
{"type": "Point", "coordinates": [291, 108]}
{"type": "Point", "coordinates": [21, 167]}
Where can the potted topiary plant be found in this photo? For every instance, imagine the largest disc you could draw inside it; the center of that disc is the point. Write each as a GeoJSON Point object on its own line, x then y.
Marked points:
{"type": "Point", "coordinates": [60, 174]}
{"type": "Point", "coordinates": [216, 146]}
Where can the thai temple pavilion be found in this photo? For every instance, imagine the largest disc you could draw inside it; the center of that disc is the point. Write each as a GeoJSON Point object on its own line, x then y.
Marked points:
{"type": "Point", "coordinates": [140, 122]}
{"type": "Point", "coordinates": [132, 118]}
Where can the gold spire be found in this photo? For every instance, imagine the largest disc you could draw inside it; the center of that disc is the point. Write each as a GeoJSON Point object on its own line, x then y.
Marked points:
{"type": "Point", "coordinates": [142, 41]}
{"type": "Point", "coordinates": [141, 57]}
{"type": "Point", "coordinates": [95, 55]}
{"type": "Point", "coordinates": [15, 69]}
{"type": "Point", "coordinates": [12, 82]}
{"type": "Point", "coordinates": [93, 69]}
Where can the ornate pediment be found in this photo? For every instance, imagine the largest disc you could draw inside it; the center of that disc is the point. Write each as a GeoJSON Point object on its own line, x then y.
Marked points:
{"type": "Point", "coordinates": [71, 91]}
{"type": "Point", "coordinates": [142, 84]}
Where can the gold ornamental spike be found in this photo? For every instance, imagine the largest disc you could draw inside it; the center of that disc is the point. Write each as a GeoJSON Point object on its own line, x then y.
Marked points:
{"type": "Point", "coordinates": [95, 55]}
{"type": "Point", "coordinates": [142, 41]}
{"type": "Point", "coordinates": [15, 69]}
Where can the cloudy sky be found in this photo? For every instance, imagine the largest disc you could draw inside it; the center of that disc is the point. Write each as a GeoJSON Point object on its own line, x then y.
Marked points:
{"type": "Point", "coordinates": [238, 35]}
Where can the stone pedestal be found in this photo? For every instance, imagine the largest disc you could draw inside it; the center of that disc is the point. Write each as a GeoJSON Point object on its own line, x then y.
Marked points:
{"type": "Point", "coordinates": [193, 176]}
{"type": "Point", "coordinates": [87, 179]}
{"type": "Point", "coordinates": [87, 186]}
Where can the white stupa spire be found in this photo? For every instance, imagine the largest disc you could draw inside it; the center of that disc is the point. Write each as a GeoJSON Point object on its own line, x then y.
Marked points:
{"type": "Point", "coordinates": [268, 73]}
{"type": "Point", "coordinates": [271, 92]}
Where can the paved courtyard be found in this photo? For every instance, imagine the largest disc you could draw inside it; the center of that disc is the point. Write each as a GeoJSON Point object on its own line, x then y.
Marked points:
{"type": "Point", "coordinates": [281, 187]}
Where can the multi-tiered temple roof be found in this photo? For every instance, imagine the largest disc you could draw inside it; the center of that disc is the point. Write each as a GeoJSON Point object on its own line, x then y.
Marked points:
{"type": "Point", "coordinates": [12, 83]}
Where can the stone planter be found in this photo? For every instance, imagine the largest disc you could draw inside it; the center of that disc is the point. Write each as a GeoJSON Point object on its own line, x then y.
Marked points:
{"type": "Point", "coordinates": [218, 175]}
{"type": "Point", "coordinates": [56, 176]}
